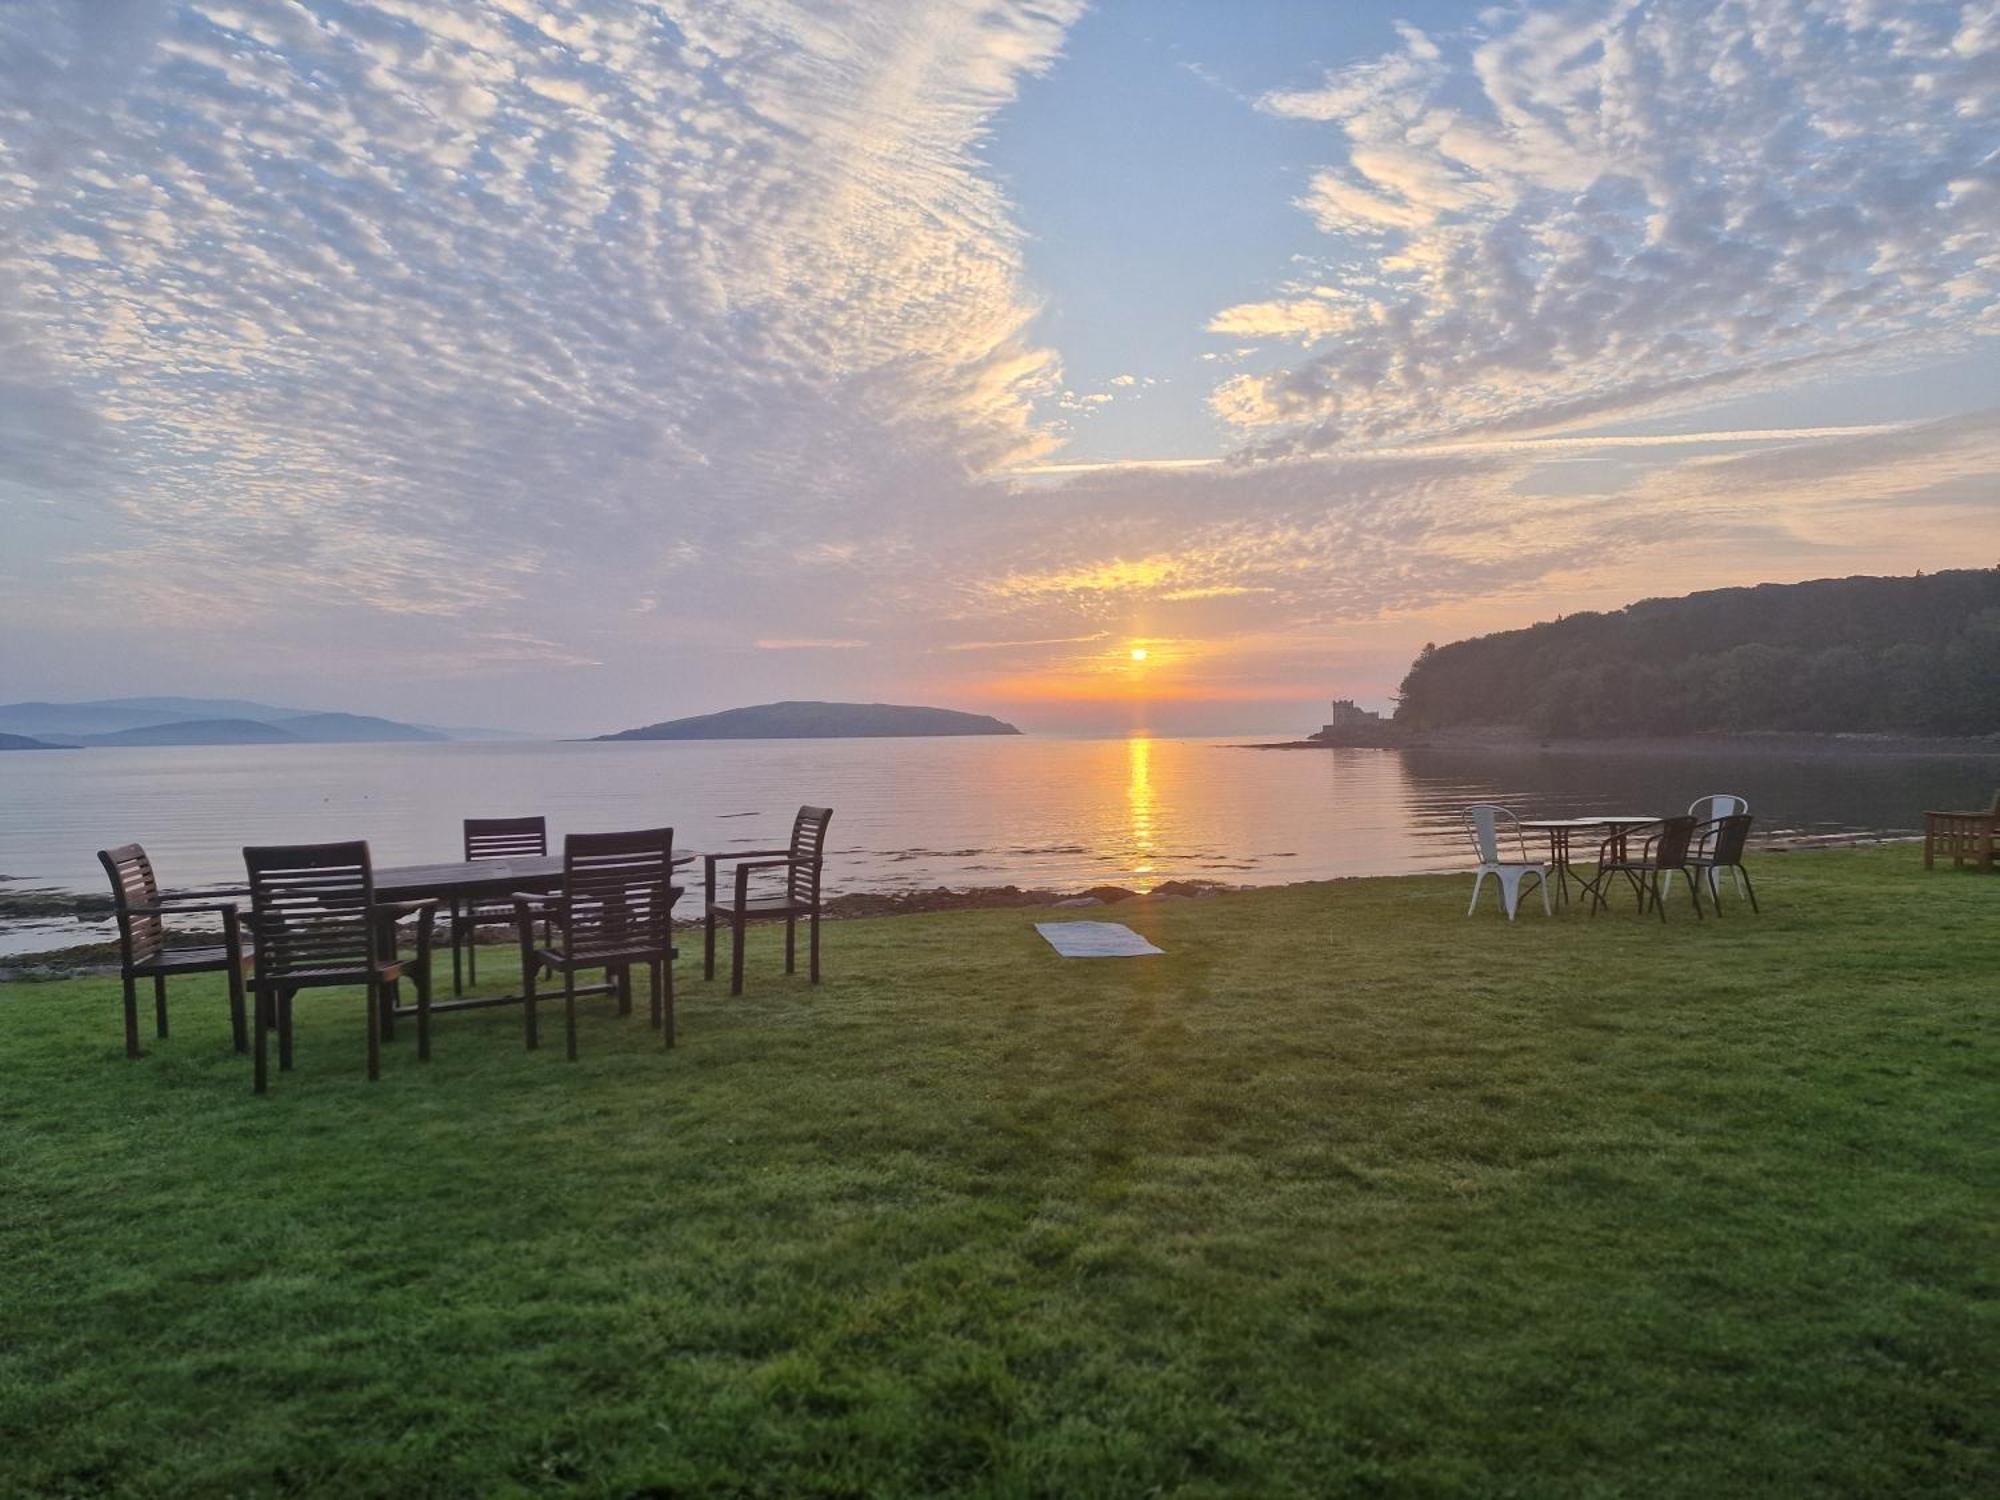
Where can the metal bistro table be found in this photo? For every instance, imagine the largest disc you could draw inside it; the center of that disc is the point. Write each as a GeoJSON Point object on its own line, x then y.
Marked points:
{"type": "Point", "coordinates": [465, 881]}
{"type": "Point", "coordinates": [1615, 826]}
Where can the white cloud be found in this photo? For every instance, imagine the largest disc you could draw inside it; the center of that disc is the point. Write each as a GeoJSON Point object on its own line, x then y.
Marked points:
{"type": "Point", "coordinates": [469, 311]}
{"type": "Point", "coordinates": [1611, 207]}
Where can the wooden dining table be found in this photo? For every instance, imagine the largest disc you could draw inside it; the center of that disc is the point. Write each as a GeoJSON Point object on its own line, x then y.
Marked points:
{"type": "Point", "coordinates": [460, 884]}
{"type": "Point", "coordinates": [1559, 830]}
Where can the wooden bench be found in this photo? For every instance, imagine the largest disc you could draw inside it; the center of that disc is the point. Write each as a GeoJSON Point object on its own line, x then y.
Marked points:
{"type": "Point", "coordinates": [1959, 836]}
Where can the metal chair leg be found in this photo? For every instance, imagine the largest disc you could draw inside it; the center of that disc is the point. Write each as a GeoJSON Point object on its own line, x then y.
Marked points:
{"type": "Point", "coordinates": [160, 1004]}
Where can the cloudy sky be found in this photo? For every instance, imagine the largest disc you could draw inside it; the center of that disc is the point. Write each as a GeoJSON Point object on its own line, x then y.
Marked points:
{"type": "Point", "coordinates": [577, 363]}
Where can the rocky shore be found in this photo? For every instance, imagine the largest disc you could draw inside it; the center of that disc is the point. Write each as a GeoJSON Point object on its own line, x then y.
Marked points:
{"type": "Point", "coordinates": [102, 957]}
{"type": "Point", "coordinates": [1512, 738]}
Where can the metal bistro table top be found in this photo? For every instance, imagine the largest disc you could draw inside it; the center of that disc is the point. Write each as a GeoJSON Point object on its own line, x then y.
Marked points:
{"type": "Point", "coordinates": [482, 876]}
{"type": "Point", "coordinates": [1602, 820]}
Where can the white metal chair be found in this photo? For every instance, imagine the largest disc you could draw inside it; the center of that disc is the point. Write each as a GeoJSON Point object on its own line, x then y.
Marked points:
{"type": "Point", "coordinates": [1708, 812]}
{"type": "Point", "coordinates": [1486, 823]}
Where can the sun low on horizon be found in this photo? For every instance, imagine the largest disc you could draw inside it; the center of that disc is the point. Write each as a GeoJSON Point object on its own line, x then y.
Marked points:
{"type": "Point", "coordinates": [616, 361]}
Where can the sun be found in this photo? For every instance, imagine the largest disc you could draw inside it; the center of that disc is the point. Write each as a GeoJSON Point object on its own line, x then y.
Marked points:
{"type": "Point", "coordinates": [1138, 653]}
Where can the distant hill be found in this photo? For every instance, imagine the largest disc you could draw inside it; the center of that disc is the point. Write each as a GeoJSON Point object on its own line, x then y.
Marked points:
{"type": "Point", "coordinates": [90, 722]}
{"type": "Point", "coordinates": [197, 732]}
{"type": "Point", "coordinates": [23, 742]}
{"type": "Point", "coordinates": [815, 721]}
{"type": "Point", "coordinates": [1837, 655]}
{"type": "Point", "coordinates": [353, 729]}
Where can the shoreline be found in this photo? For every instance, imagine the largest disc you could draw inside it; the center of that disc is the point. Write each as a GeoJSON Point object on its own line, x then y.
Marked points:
{"type": "Point", "coordinates": [100, 958]}
{"type": "Point", "coordinates": [1783, 742]}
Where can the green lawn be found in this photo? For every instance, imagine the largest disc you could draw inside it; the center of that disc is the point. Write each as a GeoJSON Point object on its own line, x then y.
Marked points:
{"type": "Point", "coordinates": [1346, 1194]}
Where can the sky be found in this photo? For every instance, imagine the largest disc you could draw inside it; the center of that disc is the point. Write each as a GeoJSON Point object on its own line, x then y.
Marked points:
{"type": "Point", "coordinates": [575, 364]}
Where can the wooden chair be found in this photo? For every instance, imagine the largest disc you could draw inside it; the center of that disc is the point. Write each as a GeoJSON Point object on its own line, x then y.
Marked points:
{"type": "Point", "coordinates": [142, 909]}
{"type": "Point", "coordinates": [1718, 845]}
{"type": "Point", "coordinates": [318, 925]}
{"type": "Point", "coordinates": [1962, 836]}
{"type": "Point", "coordinates": [1663, 850]}
{"type": "Point", "coordinates": [802, 862]}
{"type": "Point", "coordinates": [490, 839]}
{"type": "Point", "coordinates": [615, 910]}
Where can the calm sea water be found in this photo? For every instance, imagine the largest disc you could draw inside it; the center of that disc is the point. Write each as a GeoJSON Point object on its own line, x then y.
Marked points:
{"type": "Point", "coordinates": [908, 813]}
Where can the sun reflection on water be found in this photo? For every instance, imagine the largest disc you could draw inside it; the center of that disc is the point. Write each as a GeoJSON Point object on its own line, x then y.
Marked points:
{"type": "Point", "coordinates": [1139, 799]}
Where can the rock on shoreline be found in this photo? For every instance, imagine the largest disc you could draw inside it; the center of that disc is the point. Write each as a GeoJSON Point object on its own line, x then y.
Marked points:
{"type": "Point", "coordinates": [102, 957]}
{"type": "Point", "coordinates": [1507, 739]}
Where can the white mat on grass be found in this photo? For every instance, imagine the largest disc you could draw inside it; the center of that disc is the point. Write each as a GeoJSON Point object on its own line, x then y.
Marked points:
{"type": "Point", "coordinates": [1095, 939]}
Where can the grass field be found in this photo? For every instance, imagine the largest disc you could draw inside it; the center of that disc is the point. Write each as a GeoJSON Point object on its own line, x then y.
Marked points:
{"type": "Point", "coordinates": [1345, 1194]}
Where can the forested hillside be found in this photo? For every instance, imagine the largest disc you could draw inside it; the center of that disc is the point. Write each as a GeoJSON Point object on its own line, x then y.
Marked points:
{"type": "Point", "coordinates": [1911, 655]}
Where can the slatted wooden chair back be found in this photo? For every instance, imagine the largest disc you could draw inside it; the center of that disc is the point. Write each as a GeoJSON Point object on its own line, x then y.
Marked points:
{"type": "Point", "coordinates": [133, 884]}
{"type": "Point", "coordinates": [615, 890]}
{"type": "Point", "coordinates": [311, 908]}
{"type": "Point", "coordinates": [506, 838]}
{"type": "Point", "coordinates": [809, 847]}
{"type": "Point", "coordinates": [1721, 840]}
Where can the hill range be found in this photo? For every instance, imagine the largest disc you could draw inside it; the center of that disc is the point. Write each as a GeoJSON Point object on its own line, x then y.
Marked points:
{"type": "Point", "coordinates": [795, 720]}
{"type": "Point", "coordinates": [206, 721]}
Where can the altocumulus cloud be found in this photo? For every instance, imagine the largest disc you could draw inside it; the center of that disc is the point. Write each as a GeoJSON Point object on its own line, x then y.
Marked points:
{"type": "Point", "coordinates": [1596, 210]}
{"type": "Point", "coordinates": [418, 307]}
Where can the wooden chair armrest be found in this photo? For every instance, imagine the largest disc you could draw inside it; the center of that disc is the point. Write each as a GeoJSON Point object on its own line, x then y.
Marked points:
{"type": "Point", "coordinates": [745, 854]}
{"type": "Point", "coordinates": [224, 909]}
{"type": "Point", "coordinates": [396, 911]}
{"type": "Point", "coordinates": [789, 862]}
{"type": "Point", "coordinates": [205, 898]}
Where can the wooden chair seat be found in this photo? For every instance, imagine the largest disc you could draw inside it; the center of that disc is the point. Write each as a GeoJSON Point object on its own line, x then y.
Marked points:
{"type": "Point", "coordinates": [762, 906]}
{"type": "Point", "coordinates": [598, 955]}
{"type": "Point", "coordinates": [360, 971]}
{"type": "Point", "coordinates": [193, 961]}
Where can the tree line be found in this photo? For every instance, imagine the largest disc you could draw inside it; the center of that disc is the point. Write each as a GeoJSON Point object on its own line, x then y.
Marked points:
{"type": "Point", "coordinates": [1902, 655]}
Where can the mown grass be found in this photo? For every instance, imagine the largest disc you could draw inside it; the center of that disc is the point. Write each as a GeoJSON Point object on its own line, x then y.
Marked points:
{"type": "Point", "coordinates": [1345, 1194]}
